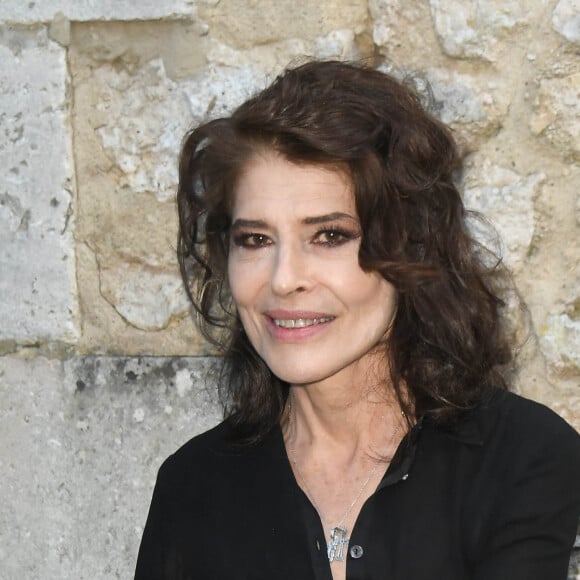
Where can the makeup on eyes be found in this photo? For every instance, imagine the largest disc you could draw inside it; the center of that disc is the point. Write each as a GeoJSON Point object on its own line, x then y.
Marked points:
{"type": "Point", "coordinates": [331, 235]}
{"type": "Point", "coordinates": [253, 234]}
{"type": "Point", "coordinates": [336, 235]}
{"type": "Point", "coordinates": [250, 240]}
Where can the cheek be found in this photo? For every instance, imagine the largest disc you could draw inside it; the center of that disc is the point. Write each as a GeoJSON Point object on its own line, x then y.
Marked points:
{"type": "Point", "coordinates": [238, 289]}
{"type": "Point", "coordinates": [366, 288]}
{"type": "Point", "coordinates": [245, 280]}
{"type": "Point", "coordinates": [389, 300]}
{"type": "Point", "coordinates": [376, 298]}
{"type": "Point", "coordinates": [233, 277]}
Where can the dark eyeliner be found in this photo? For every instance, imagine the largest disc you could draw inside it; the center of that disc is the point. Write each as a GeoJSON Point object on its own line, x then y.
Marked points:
{"type": "Point", "coordinates": [241, 240]}
{"type": "Point", "coordinates": [344, 235]}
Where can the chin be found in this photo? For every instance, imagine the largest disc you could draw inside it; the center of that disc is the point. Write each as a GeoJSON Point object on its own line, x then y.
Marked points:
{"type": "Point", "coordinates": [293, 376]}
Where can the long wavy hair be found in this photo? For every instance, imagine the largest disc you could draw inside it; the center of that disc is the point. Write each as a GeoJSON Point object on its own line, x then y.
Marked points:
{"type": "Point", "coordinates": [448, 346]}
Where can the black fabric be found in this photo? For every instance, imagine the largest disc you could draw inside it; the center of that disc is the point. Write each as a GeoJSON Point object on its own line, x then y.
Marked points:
{"type": "Point", "coordinates": [494, 497]}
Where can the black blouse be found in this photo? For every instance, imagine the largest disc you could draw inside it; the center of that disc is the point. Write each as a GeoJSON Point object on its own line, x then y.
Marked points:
{"type": "Point", "coordinates": [496, 496]}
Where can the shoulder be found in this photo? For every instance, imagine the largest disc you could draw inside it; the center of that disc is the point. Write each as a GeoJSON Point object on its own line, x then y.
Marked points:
{"type": "Point", "coordinates": [517, 417]}
{"type": "Point", "coordinates": [196, 454]}
{"type": "Point", "coordinates": [211, 442]}
{"type": "Point", "coordinates": [529, 466]}
{"type": "Point", "coordinates": [513, 429]}
{"type": "Point", "coordinates": [214, 457]}
{"type": "Point", "coordinates": [525, 436]}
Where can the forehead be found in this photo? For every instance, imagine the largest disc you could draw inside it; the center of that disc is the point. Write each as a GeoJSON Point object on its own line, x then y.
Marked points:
{"type": "Point", "coordinates": [270, 183]}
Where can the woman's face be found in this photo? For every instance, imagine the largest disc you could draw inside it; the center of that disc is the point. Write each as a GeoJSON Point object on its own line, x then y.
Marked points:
{"type": "Point", "coordinates": [306, 305]}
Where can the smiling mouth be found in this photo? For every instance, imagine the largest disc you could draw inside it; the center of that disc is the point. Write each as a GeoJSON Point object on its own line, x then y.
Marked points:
{"type": "Point", "coordinates": [301, 322]}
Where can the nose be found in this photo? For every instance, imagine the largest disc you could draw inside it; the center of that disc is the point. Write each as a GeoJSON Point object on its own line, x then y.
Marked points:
{"type": "Point", "coordinates": [290, 272]}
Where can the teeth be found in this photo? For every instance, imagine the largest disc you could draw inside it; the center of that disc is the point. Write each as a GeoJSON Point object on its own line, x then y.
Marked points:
{"type": "Point", "coordinates": [301, 322]}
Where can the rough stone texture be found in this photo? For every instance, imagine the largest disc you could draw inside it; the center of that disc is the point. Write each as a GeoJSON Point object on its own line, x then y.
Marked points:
{"type": "Point", "coordinates": [574, 568]}
{"type": "Point", "coordinates": [557, 114]}
{"type": "Point", "coordinates": [83, 437]}
{"type": "Point", "coordinates": [492, 189]}
{"type": "Point", "coordinates": [561, 341]}
{"type": "Point", "coordinates": [81, 444]}
{"type": "Point", "coordinates": [472, 28]}
{"type": "Point", "coordinates": [129, 123]}
{"type": "Point", "coordinates": [475, 106]}
{"type": "Point", "coordinates": [37, 286]}
{"type": "Point", "coordinates": [16, 11]}
{"type": "Point", "coordinates": [146, 299]}
{"type": "Point", "coordinates": [566, 19]}
{"type": "Point", "coordinates": [144, 151]}
{"type": "Point", "coordinates": [399, 27]}
{"type": "Point", "coordinates": [134, 103]}
{"type": "Point", "coordinates": [258, 24]}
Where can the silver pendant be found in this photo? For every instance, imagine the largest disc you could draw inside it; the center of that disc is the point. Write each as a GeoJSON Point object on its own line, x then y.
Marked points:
{"type": "Point", "coordinates": [337, 544]}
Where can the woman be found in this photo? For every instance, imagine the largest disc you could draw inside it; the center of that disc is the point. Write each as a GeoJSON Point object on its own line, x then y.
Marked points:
{"type": "Point", "coordinates": [369, 431]}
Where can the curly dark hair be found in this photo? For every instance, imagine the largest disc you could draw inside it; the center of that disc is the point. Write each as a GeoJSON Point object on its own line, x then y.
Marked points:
{"type": "Point", "coordinates": [448, 345]}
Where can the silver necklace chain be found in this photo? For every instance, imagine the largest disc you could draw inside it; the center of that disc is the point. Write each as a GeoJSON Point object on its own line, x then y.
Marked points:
{"type": "Point", "coordinates": [338, 541]}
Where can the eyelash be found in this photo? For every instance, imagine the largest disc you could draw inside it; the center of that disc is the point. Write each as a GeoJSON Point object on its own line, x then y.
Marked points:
{"type": "Point", "coordinates": [336, 237]}
{"type": "Point", "coordinates": [248, 241]}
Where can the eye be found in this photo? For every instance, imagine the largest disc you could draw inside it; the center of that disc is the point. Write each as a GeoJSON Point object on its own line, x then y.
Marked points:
{"type": "Point", "coordinates": [333, 237]}
{"type": "Point", "coordinates": [251, 240]}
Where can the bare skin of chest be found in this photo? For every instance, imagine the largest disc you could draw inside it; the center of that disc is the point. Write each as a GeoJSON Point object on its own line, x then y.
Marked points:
{"type": "Point", "coordinates": [338, 493]}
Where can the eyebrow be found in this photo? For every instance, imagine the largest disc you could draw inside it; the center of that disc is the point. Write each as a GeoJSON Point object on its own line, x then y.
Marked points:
{"type": "Point", "coordinates": [319, 219]}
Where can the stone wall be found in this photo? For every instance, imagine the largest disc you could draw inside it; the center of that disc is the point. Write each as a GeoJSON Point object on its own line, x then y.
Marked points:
{"type": "Point", "coordinates": [101, 371]}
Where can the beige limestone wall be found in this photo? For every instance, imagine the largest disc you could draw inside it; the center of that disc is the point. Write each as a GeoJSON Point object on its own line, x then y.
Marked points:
{"type": "Point", "coordinates": [102, 373]}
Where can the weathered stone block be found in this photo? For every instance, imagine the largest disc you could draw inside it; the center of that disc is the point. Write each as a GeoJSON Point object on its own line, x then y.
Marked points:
{"type": "Point", "coordinates": [145, 298]}
{"type": "Point", "coordinates": [457, 100]}
{"type": "Point", "coordinates": [566, 19]}
{"type": "Point", "coordinates": [556, 114]}
{"type": "Point", "coordinates": [403, 32]}
{"type": "Point", "coordinates": [16, 11]}
{"type": "Point", "coordinates": [139, 116]}
{"type": "Point", "coordinates": [37, 280]}
{"type": "Point", "coordinates": [261, 63]}
{"type": "Point", "coordinates": [474, 106]}
{"type": "Point", "coordinates": [146, 116]}
{"type": "Point", "coordinates": [560, 338]}
{"type": "Point", "coordinates": [131, 115]}
{"type": "Point", "coordinates": [471, 29]}
{"type": "Point", "coordinates": [261, 23]}
{"type": "Point", "coordinates": [507, 200]}
{"type": "Point", "coordinates": [82, 442]}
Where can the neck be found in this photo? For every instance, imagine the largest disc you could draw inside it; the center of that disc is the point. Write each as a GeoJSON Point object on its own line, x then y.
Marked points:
{"type": "Point", "coordinates": [346, 420]}
{"type": "Point", "coordinates": [338, 416]}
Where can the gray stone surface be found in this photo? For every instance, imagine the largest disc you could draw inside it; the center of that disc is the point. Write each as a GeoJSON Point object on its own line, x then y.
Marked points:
{"type": "Point", "coordinates": [574, 569]}
{"type": "Point", "coordinates": [244, 24]}
{"type": "Point", "coordinates": [81, 444]}
{"type": "Point", "coordinates": [470, 29]}
{"type": "Point", "coordinates": [457, 100]}
{"type": "Point", "coordinates": [473, 105]}
{"type": "Point", "coordinates": [556, 114]}
{"type": "Point", "coordinates": [18, 11]}
{"type": "Point", "coordinates": [37, 271]}
{"type": "Point", "coordinates": [506, 198]}
{"type": "Point", "coordinates": [403, 33]}
{"type": "Point", "coordinates": [566, 19]}
{"type": "Point", "coordinates": [560, 340]}
{"type": "Point", "coordinates": [145, 298]}
{"type": "Point", "coordinates": [147, 115]}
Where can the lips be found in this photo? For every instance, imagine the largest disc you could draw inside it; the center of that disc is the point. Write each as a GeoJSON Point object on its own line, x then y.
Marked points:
{"type": "Point", "coordinates": [296, 324]}
{"type": "Point", "coordinates": [300, 322]}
